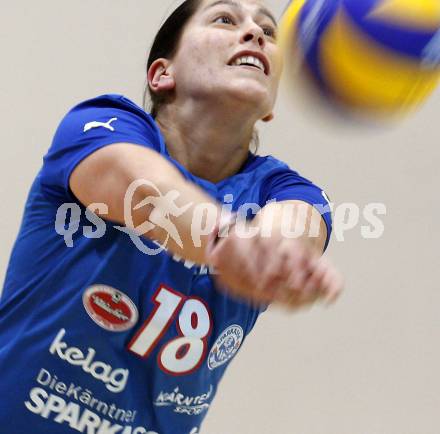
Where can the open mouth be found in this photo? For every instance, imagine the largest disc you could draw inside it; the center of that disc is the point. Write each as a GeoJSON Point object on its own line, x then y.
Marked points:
{"type": "Point", "coordinates": [251, 60]}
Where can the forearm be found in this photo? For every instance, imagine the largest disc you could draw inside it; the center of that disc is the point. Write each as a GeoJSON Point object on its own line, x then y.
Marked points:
{"type": "Point", "coordinates": [189, 231]}
{"type": "Point", "coordinates": [122, 176]}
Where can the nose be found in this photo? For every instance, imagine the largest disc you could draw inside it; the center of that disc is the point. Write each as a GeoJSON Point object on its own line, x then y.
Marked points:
{"type": "Point", "coordinates": [254, 33]}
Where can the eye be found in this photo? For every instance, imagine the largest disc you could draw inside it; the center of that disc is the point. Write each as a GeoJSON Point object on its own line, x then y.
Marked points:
{"type": "Point", "coordinates": [270, 31]}
{"type": "Point", "coordinates": [224, 19]}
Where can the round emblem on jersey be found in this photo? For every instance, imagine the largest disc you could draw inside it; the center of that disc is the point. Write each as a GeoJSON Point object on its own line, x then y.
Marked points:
{"type": "Point", "coordinates": [109, 308]}
{"type": "Point", "coordinates": [225, 347]}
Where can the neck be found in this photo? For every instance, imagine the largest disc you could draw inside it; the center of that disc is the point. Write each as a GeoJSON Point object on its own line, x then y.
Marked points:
{"type": "Point", "coordinates": [210, 141]}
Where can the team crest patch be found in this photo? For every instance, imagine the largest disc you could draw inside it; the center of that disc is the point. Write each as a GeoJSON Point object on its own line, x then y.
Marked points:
{"type": "Point", "coordinates": [109, 308]}
{"type": "Point", "coordinates": [225, 347]}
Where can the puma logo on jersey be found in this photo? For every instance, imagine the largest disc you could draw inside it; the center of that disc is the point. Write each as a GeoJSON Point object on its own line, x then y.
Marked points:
{"type": "Point", "coordinates": [96, 124]}
{"type": "Point", "coordinates": [115, 380]}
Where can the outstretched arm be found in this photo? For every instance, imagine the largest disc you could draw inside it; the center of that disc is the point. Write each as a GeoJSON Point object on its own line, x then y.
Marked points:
{"type": "Point", "coordinates": [105, 177]}
{"type": "Point", "coordinates": [267, 267]}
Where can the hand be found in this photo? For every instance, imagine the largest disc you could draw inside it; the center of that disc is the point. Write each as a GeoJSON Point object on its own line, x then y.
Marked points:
{"type": "Point", "coordinates": [274, 270]}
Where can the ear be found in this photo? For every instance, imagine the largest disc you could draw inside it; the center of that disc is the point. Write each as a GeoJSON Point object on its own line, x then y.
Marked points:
{"type": "Point", "coordinates": [160, 77]}
{"type": "Point", "coordinates": [268, 118]}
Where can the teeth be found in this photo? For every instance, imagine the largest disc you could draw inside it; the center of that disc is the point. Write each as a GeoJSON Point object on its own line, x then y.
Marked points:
{"type": "Point", "coordinates": [250, 60]}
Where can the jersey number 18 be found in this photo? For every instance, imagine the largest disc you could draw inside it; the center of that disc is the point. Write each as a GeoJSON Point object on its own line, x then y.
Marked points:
{"type": "Point", "coordinates": [185, 353]}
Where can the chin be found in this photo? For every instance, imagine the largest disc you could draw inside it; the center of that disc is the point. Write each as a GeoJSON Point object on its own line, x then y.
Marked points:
{"type": "Point", "coordinates": [249, 91]}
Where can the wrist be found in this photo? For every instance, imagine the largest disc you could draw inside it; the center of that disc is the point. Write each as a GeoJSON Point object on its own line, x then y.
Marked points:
{"type": "Point", "coordinates": [221, 231]}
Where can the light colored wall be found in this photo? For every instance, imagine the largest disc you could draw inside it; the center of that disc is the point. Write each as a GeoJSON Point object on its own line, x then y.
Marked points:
{"type": "Point", "coordinates": [369, 365]}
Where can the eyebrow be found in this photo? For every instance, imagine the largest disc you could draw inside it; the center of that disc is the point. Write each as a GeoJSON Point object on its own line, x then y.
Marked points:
{"type": "Point", "coordinates": [261, 10]}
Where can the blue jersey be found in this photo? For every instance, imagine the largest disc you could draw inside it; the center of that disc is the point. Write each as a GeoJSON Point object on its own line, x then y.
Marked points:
{"type": "Point", "coordinates": [98, 337]}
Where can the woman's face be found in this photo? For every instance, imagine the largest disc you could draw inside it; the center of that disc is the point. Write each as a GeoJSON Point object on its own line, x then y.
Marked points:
{"type": "Point", "coordinates": [228, 50]}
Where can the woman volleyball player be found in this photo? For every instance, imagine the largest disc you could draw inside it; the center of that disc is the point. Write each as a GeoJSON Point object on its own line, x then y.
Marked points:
{"type": "Point", "coordinates": [96, 336]}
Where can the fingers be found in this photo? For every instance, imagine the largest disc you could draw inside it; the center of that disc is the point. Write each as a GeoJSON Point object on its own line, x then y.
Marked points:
{"type": "Point", "coordinates": [333, 284]}
{"type": "Point", "coordinates": [297, 268]}
{"type": "Point", "coordinates": [272, 270]}
{"type": "Point", "coordinates": [312, 288]}
{"type": "Point", "coordinates": [324, 283]}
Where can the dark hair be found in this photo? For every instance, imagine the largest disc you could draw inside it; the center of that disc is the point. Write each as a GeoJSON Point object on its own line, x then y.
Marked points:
{"type": "Point", "coordinates": [165, 45]}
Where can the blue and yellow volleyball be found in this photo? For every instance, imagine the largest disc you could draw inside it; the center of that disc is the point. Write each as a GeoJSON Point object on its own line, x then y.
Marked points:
{"type": "Point", "coordinates": [376, 56]}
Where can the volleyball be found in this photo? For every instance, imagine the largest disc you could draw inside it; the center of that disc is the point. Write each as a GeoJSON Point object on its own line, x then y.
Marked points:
{"type": "Point", "coordinates": [379, 57]}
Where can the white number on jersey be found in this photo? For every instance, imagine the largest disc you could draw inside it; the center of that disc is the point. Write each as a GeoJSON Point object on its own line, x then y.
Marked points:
{"type": "Point", "coordinates": [185, 353]}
